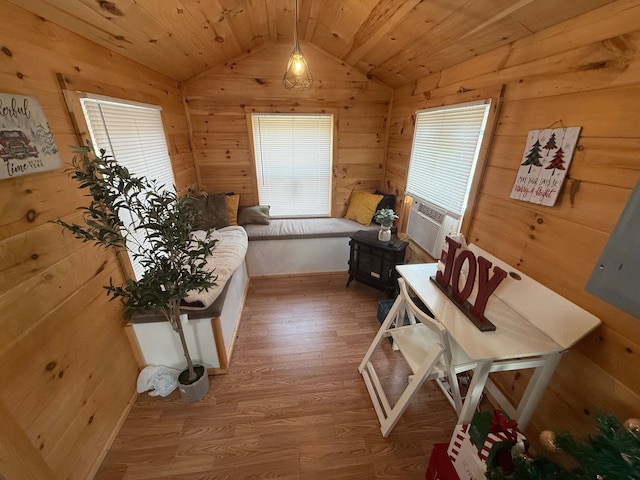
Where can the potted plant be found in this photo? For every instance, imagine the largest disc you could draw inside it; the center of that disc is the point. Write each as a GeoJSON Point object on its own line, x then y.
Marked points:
{"type": "Point", "coordinates": [385, 217]}
{"type": "Point", "coordinates": [172, 259]}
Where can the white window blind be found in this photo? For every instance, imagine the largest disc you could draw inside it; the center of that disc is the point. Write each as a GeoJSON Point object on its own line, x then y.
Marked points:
{"type": "Point", "coordinates": [293, 155]}
{"type": "Point", "coordinates": [445, 149]}
{"type": "Point", "coordinates": [133, 134]}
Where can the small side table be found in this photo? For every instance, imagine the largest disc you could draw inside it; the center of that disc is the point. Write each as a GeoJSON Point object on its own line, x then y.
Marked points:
{"type": "Point", "coordinates": [373, 262]}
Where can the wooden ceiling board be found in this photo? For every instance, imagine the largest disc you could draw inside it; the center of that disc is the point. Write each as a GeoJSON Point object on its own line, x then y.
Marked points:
{"type": "Point", "coordinates": [326, 16]}
{"type": "Point", "coordinates": [191, 32]}
{"type": "Point", "coordinates": [139, 26]}
{"type": "Point", "coordinates": [237, 14]}
{"type": "Point", "coordinates": [209, 22]}
{"type": "Point", "coordinates": [574, 33]}
{"type": "Point", "coordinates": [86, 23]}
{"type": "Point", "coordinates": [308, 25]}
{"type": "Point", "coordinates": [260, 19]}
{"type": "Point", "coordinates": [542, 14]}
{"type": "Point", "coordinates": [495, 36]}
{"type": "Point", "coordinates": [506, 11]}
{"type": "Point", "coordinates": [381, 20]}
{"type": "Point", "coordinates": [346, 25]}
{"type": "Point", "coordinates": [417, 24]}
{"type": "Point", "coordinates": [448, 42]}
{"type": "Point", "coordinates": [393, 41]}
{"type": "Point", "coordinates": [285, 12]}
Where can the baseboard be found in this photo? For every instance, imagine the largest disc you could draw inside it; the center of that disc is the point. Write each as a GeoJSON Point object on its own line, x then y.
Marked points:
{"type": "Point", "coordinates": [300, 274]}
{"type": "Point", "coordinates": [114, 433]}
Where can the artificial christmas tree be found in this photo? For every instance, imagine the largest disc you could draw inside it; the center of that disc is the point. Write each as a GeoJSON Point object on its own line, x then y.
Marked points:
{"type": "Point", "coordinates": [611, 454]}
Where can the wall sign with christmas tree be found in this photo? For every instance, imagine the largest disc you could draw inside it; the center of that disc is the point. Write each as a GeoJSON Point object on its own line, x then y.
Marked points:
{"type": "Point", "coordinates": [546, 159]}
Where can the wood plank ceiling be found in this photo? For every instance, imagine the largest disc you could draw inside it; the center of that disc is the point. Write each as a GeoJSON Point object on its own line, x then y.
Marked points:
{"type": "Point", "coordinates": [394, 41]}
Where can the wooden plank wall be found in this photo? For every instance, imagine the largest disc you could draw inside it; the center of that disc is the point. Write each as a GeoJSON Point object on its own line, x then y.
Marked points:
{"type": "Point", "coordinates": [67, 373]}
{"type": "Point", "coordinates": [584, 72]}
{"type": "Point", "coordinates": [220, 99]}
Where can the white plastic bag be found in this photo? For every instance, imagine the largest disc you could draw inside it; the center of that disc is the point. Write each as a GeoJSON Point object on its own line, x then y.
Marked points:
{"type": "Point", "coordinates": [158, 380]}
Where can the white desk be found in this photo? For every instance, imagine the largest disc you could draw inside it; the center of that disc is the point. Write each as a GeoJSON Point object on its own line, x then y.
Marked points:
{"type": "Point", "coordinates": [534, 327]}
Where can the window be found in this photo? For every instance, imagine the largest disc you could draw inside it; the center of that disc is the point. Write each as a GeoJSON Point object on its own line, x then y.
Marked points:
{"type": "Point", "coordinates": [133, 134]}
{"type": "Point", "coordinates": [445, 149]}
{"type": "Point", "coordinates": [293, 155]}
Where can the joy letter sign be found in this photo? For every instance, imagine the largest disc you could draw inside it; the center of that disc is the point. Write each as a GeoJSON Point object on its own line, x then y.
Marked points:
{"type": "Point", "coordinates": [449, 283]}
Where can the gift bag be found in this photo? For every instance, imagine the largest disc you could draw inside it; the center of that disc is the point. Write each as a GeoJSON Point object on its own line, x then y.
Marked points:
{"type": "Point", "coordinates": [440, 466]}
{"type": "Point", "coordinates": [494, 435]}
{"type": "Point", "coordinates": [464, 455]}
{"type": "Point", "coordinates": [489, 439]}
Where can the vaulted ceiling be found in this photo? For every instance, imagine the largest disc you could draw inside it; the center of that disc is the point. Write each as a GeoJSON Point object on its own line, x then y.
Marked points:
{"type": "Point", "coordinates": [394, 41]}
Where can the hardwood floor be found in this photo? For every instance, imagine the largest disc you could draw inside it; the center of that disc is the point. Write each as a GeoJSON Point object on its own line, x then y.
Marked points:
{"type": "Point", "coordinates": [292, 406]}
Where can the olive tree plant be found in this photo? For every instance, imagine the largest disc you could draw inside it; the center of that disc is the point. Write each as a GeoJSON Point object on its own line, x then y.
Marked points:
{"type": "Point", "coordinates": [125, 209]}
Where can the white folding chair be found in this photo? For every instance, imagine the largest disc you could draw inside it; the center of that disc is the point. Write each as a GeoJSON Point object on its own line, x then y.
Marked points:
{"type": "Point", "coordinates": [425, 346]}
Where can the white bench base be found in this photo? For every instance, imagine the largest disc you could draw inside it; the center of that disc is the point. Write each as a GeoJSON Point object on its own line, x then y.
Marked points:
{"type": "Point", "coordinates": [295, 256]}
{"type": "Point", "coordinates": [209, 339]}
{"type": "Point", "coordinates": [298, 246]}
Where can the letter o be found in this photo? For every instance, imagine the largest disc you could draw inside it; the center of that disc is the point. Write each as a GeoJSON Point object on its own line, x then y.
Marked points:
{"type": "Point", "coordinates": [463, 294]}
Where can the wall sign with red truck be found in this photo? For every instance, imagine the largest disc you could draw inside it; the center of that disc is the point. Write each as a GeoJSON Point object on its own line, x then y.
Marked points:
{"type": "Point", "coordinates": [26, 142]}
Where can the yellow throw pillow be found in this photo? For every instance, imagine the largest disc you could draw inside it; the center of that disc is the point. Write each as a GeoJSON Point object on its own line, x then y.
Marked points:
{"type": "Point", "coordinates": [362, 206]}
{"type": "Point", "coordinates": [232, 202]}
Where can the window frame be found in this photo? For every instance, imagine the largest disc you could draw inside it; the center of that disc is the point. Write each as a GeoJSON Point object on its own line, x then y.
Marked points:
{"type": "Point", "coordinates": [445, 145]}
{"type": "Point", "coordinates": [76, 112]}
{"type": "Point", "coordinates": [263, 110]}
{"type": "Point", "coordinates": [496, 95]}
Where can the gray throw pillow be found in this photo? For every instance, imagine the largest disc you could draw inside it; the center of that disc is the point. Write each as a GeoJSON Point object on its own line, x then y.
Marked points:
{"type": "Point", "coordinates": [214, 212]}
{"type": "Point", "coordinates": [258, 214]}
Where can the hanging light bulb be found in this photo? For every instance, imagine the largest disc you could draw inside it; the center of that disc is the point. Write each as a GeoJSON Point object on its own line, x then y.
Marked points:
{"type": "Point", "coordinates": [297, 76]}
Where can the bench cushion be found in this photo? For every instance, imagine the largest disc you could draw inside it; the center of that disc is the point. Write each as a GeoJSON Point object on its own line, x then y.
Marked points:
{"type": "Point", "coordinates": [295, 228]}
{"type": "Point", "coordinates": [228, 254]}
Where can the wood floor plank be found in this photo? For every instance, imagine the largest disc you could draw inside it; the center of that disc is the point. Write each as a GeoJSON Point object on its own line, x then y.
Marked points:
{"type": "Point", "coordinates": [292, 405]}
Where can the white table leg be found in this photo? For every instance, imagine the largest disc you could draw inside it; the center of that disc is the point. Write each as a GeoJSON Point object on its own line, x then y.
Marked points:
{"type": "Point", "coordinates": [474, 394]}
{"type": "Point", "coordinates": [535, 389]}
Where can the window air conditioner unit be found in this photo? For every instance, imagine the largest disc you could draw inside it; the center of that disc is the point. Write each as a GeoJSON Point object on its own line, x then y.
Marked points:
{"type": "Point", "coordinates": [429, 225]}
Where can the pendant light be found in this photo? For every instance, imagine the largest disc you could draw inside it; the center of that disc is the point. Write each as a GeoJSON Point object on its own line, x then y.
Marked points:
{"type": "Point", "coordinates": [297, 76]}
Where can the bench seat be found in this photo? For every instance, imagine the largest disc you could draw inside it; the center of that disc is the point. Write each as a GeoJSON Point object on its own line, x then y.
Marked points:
{"type": "Point", "coordinates": [301, 245]}
{"type": "Point", "coordinates": [299, 228]}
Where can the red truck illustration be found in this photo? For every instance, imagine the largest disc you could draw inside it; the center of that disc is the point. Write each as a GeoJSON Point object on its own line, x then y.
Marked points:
{"type": "Point", "coordinates": [15, 144]}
